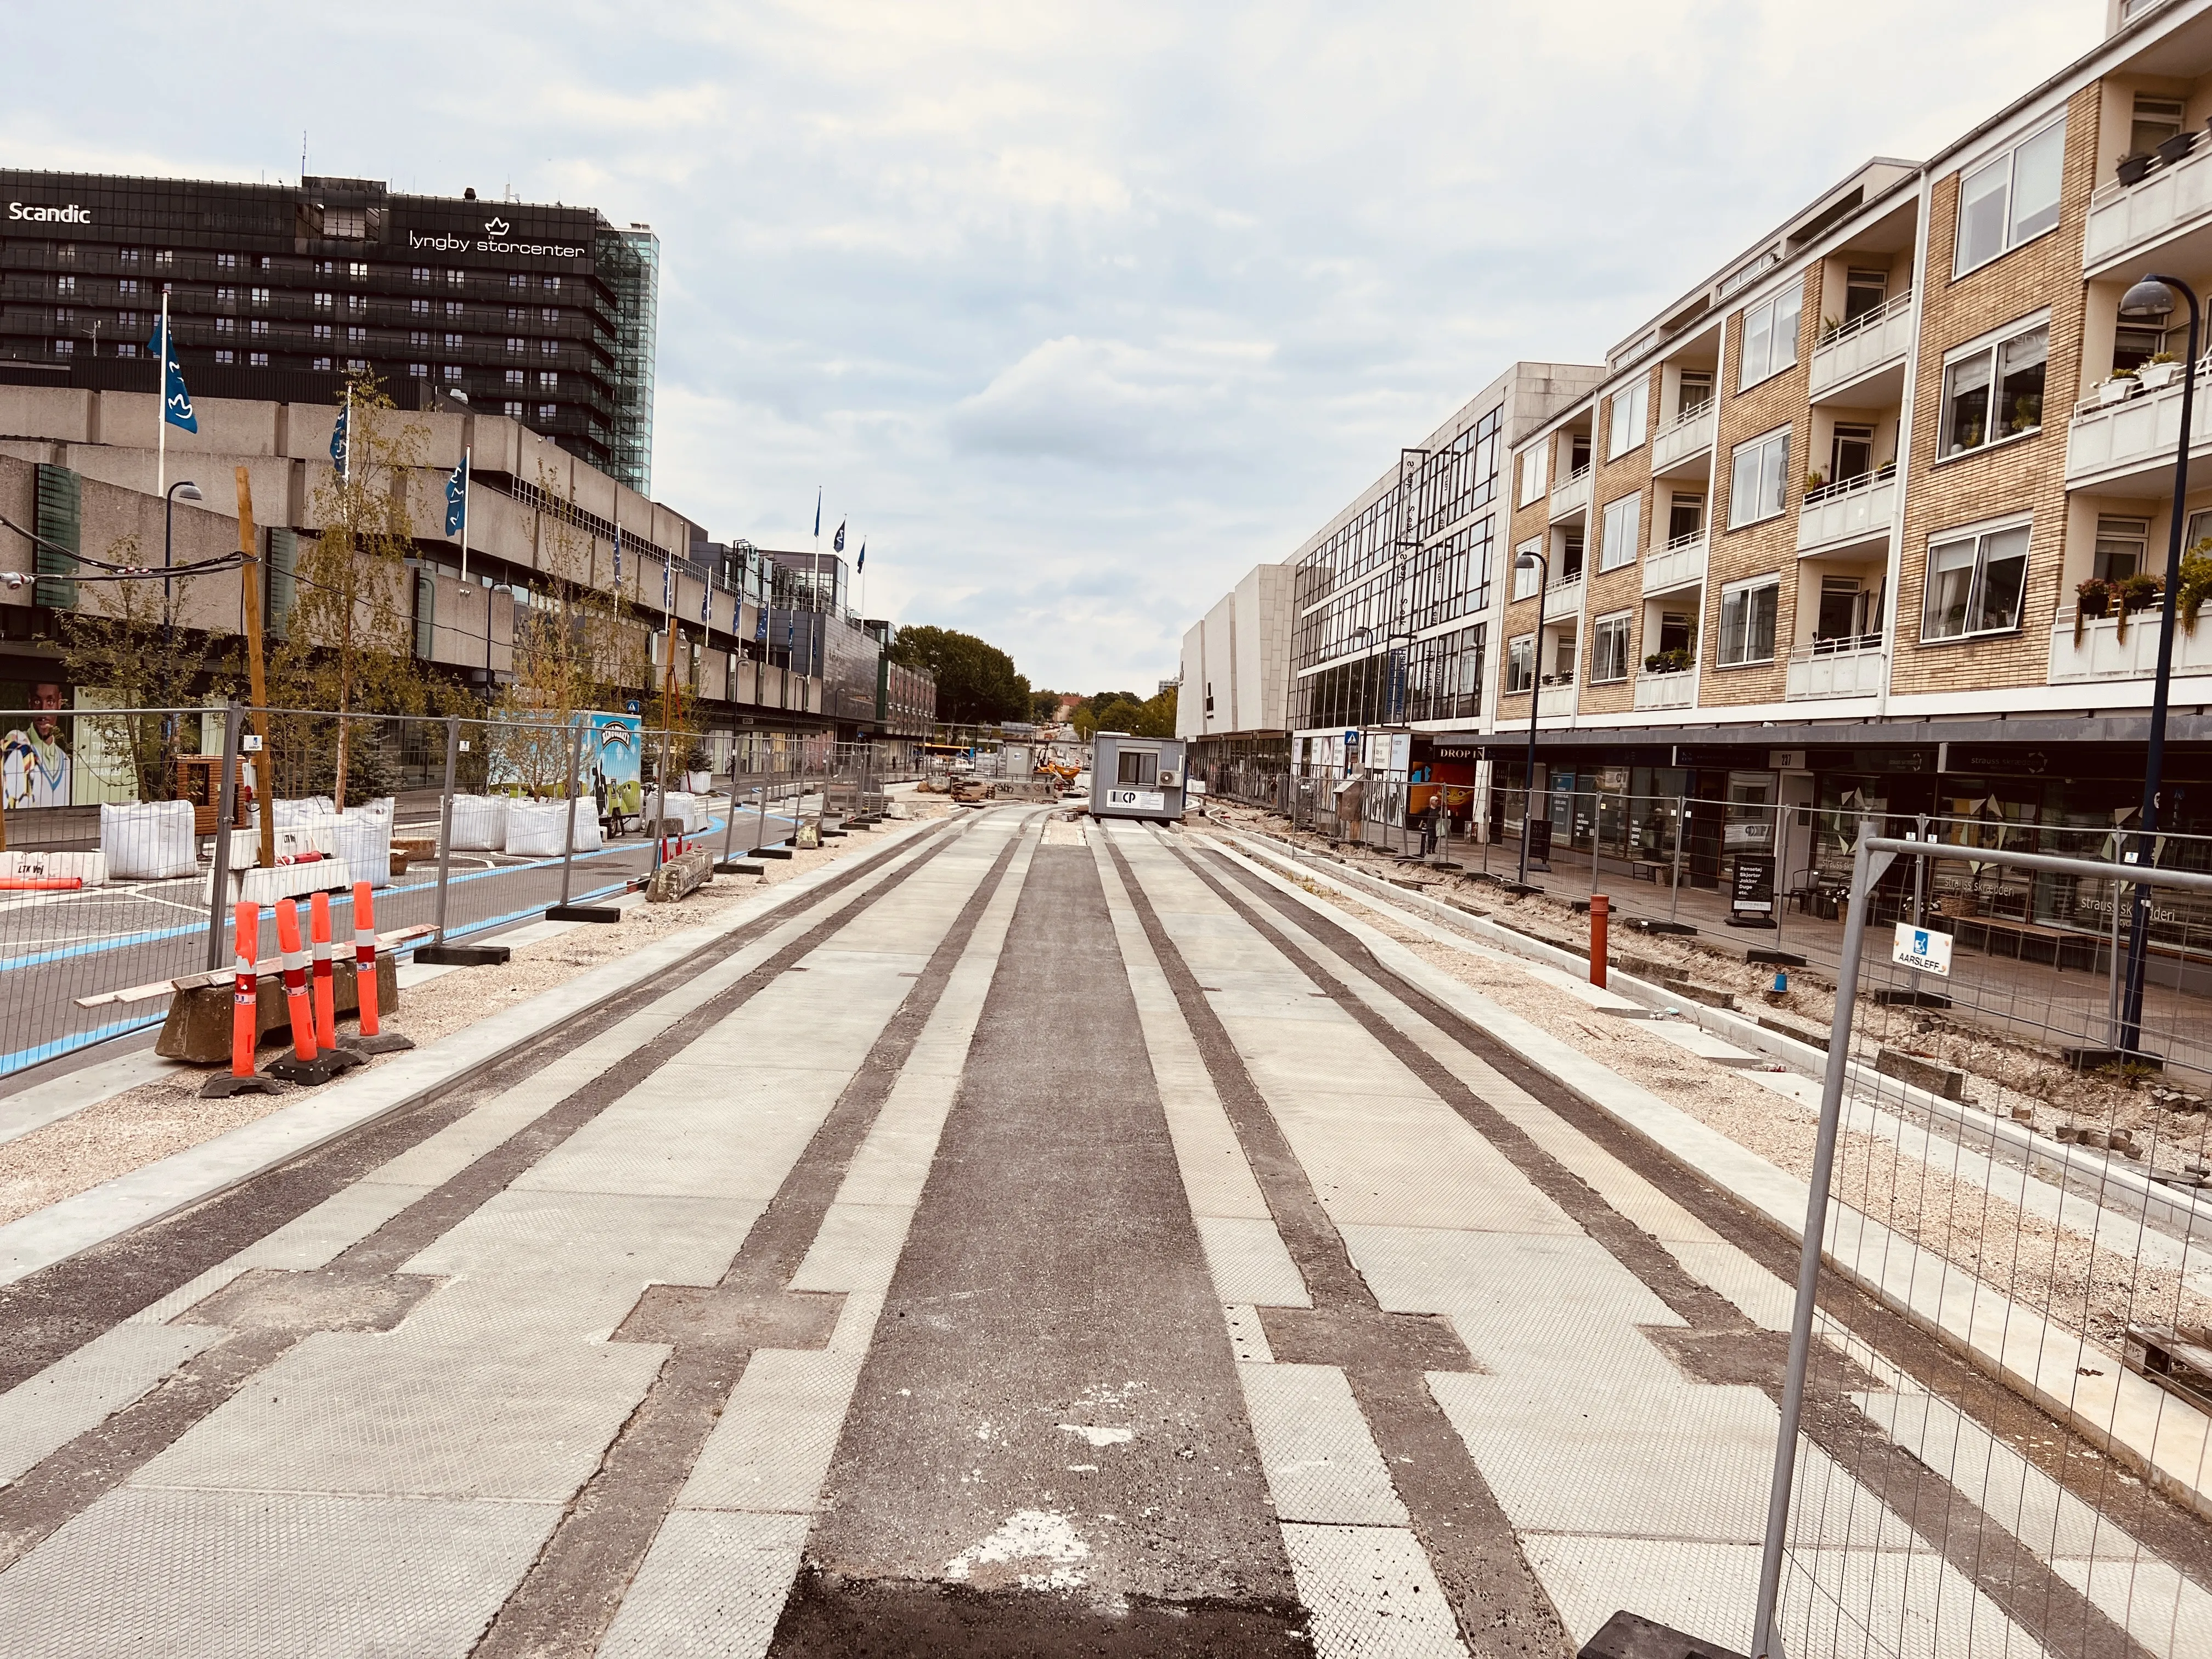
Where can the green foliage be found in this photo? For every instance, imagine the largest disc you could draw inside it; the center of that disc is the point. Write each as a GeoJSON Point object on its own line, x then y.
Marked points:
{"type": "Point", "coordinates": [1120, 711]}
{"type": "Point", "coordinates": [1044, 707]}
{"type": "Point", "coordinates": [977, 682]}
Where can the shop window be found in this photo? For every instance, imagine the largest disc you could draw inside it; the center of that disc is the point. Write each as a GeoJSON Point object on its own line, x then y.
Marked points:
{"type": "Point", "coordinates": [1974, 583]}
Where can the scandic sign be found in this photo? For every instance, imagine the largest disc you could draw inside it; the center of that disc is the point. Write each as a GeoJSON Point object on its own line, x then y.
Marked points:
{"type": "Point", "coordinates": [71, 215]}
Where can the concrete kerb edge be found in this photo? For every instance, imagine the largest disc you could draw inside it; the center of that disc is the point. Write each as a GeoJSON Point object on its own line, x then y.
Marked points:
{"type": "Point", "coordinates": [1772, 1192]}
{"type": "Point", "coordinates": [71, 1226]}
{"type": "Point", "coordinates": [2097, 1178]}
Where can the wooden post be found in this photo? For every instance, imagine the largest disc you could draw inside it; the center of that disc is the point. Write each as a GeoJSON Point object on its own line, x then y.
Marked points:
{"type": "Point", "coordinates": [250, 575]}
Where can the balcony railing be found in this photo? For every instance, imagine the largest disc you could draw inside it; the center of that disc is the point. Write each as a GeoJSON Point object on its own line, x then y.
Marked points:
{"type": "Point", "coordinates": [2135, 432]}
{"type": "Point", "coordinates": [1556, 700]}
{"type": "Point", "coordinates": [1867, 343]}
{"type": "Point", "coordinates": [2099, 653]}
{"type": "Point", "coordinates": [2126, 218]}
{"type": "Point", "coordinates": [1858, 509]}
{"type": "Point", "coordinates": [1680, 563]}
{"type": "Point", "coordinates": [1853, 668]}
{"type": "Point", "coordinates": [1691, 435]}
{"type": "Point", "coordinates": [1573, 493]}
{"type": "Point", "coordinates": [1564, 597]}
{"type": "Point", "coordinates": [1675, 689]}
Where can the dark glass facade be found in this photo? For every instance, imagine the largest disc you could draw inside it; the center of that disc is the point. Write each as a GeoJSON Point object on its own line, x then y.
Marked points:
{"type": "Point", "coordinates": [546, 314]}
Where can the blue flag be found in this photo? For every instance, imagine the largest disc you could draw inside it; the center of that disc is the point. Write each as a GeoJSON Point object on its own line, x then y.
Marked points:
{"type": "Point", "coordinates": [861, 563]}
{"type": "Point", "coordinates": [760, 627]}
{"type": "Point", "coordinates": [342, 440]}
{"type": "Point", "coordinates": [668, 585]}
{"type": "Point", "coordinates": [618, 561]}
{"type": "Point", "coordinates": [838, 545]}
{"type": "Point", "coordinates": [457, 499]}
{"type": "Point", "coordinates": [706, 600]}
{"type": "Point", "coordinates": [818, 512]}
{"type": "Point", "coordinates": [176, 402]}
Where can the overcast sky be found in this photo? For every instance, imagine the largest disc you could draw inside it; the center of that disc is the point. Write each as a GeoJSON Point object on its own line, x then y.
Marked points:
{"type": "Point", "coordinates": [1076, 312]}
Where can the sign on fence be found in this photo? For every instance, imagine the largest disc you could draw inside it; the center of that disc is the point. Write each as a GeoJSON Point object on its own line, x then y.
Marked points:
{"type": "Point", "coordinates": [1751, 893]}
{"type": "Point", "coordinates": [1918, 948]}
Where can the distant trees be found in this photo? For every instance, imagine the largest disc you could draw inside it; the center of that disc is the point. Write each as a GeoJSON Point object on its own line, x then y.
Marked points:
{"type": "Point", "coordinates": [977, 682]}
{"type": "Point", "coordinates": [1124, 711]}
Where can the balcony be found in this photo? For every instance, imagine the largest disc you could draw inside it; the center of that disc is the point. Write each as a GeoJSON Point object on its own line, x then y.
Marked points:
{"type": "Point", "coordinates": [1839, 517]}
{"type": "Point", "coordinates": [1564, 599]}
{"type": "Point", "coordinates": [1675, 690]}
{"type": "Point", "coordinates": [1855, 667]}
{"type": "Point", "coordinates": [1687, 440]}
{"type": "Point", "coordinates": [1572, 494]}
{"type": "Point", "coordinates": [2125, 220]}
{"type": "Point", "coordinates": [1554, 702]}
{"type": "Point", "coordinates": [1863, 362]}
{"type": "Point", "coordinates": [1680, 563]}
{"type": "Point", "coordinates": [2101, 655]}
{"type": "Point", "coordinates": [2127, 446]}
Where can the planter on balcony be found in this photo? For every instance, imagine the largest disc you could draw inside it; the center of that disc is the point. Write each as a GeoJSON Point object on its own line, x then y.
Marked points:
{"type": "Point", "coordinates": [2133, 168]}
{"type": "Point", "coordinates": [2174, 149]}
{"type": "Point", "coordinates": [2151, 376]}
{"type": "Point", "coordinates": [2118, 389]}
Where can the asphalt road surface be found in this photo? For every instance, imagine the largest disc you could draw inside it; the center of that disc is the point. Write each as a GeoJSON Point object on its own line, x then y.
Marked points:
{"type": "Point", "coordinates": [1038, 1240]}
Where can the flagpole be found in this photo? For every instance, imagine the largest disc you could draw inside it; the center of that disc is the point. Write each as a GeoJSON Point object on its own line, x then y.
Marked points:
{"type": "Point", "coordinates": [466, 455]}
{"type": "Point", "coordinates": [814, 576]}
{"type": "Point", "coordinates": [161, 403]}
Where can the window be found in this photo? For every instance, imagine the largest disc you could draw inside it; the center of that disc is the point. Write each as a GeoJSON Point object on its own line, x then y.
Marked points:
{"type": "Point", "coordinates": [127, 255]}
{"type": "Point", "coordinates": [356, 365]}
{"type": "Point", "coordinates": [356, 336]}
{"type": "Point", "coordinates": [1993, 389]}
{"type": "Point", "coordinates": [515, 345]}
{"type": "Point", "coordinates": [1759, 479]}
{"type": "Point", "coordinates": [552, 316]}
{"type": "Point", "coordinates": [65, 348]}
{"type": "Point", "coordinates": [1974, 584]}
{"type": "Point", "coordinates": [549, 348]}
{"type": "Point", "coordinates": [1864, 291]}
{"type": "Point", "coordinates": [1137, 767]}
{"type": "Point", "coordinates": [257, 359]}
{"type": "Point", "coordinates": [2156, 120]}
{"type": "Point", "coordinates": [226, 356]}
{"type": "Point", "coordinates": [260, 297]}
{"type": "Point", "coordinates": [420, 274]}
{"type": "Point", "coordinates": [511, 410]}
{"type": "Point", "coordinates": [127, 288]}
{"type": "Point", "coordinates": [357, 305]}
{"type": "Point", "coordinates": [126, 319]}
{"type": "Point", "coordinates": [165, 258]}
{"type": "Point", "coordinates": [1617, 545]}
{"type": "Point", "coordinates": [514, 377]}
{"type": "Point", "coordinates": [1686, 516]}
{"type": "Point", "coordinates": [258, 327]}
{"type": "Point", "coordinates": [1770, 335]}
{"type": "Point", "coordinates": [226, 262]}
{"type": "Point", "coordinates": [226, 325]}
{"type": "Point", "coordinates": [1520, 664]}
{"type": "Point", "coordinates": [323, 365]}
{"type": "Point", "coordinates": [418, 371]}
{"type": "Point", "coordinates": [418, 307]}
{"type": "Point", "coordinates": [420, 339]}
{"type": "Point", "coordinates": [1567, 562]}
{"type": "Point", "coordinates": [1564, 644]}
{"type": "Point", "coordinates": [1625, 427]}
{"type": "Point", "coordinates": [1609, 649]}
{"type": "Point", "coordinates": [548, 380]}
{"type": "Point", "coordinates": [1532, 475]}
{"type": "Point", "coordinates": [454, 308]}
{"type": "Point", "coordinates": [324, 332]}
{"type": "Point", "coordinates": [452, 373]}
{"type": "Point", "coordinates": [1748, 620]}
{"type": "Point", "coordinates": [327, 267]}
{"type": "Point", "coordinates": [457, 277]}
{"type": "Point", "coordinates": [357, 270]}
{"type": "Point", "coordinates": [326, 301]}
{"type": "Point", "coordinates": [65, 285]}
{"type": "Point", "coordinates": [552, 285]}
{"type": "Point", "coordinates": [128, 350]}
{"type": "Point", "coordinates": [547, 411]}
{"type": "Point", "coordinates": [454, 343]}
{"type": "Point", "coordinates": [2010, 199]}
{"type": "Point", "coordinates": [1696, 392]}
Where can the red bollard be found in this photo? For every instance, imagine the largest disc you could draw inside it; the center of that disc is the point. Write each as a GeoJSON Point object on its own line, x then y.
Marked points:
{"type": "Point", "coordinates": [245, 1013]}
{"type": "Point", "coordinates": [1600, 906]}
{"type": "Point", "coordinates": [372, 1040]}
{"type": "Point", "coordinates": [326, 1017]}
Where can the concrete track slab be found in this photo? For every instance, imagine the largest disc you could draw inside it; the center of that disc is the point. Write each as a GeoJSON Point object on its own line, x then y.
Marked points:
{"type": "Point", "coordinates": [1321, 1461]}
{"type": "Point", "coordinates": [777, 1433]}
{"type": "Point", "coordinates": [1248, 1260]}
{"type": "Point", "coordinates": [220, 1574]}
{"type": "Point", "coordinates": [76, 1393]}
{"type": "Point", "coordinates": [713, 1586]}
{"type": "Point", "coordinates": [1373, 1594]}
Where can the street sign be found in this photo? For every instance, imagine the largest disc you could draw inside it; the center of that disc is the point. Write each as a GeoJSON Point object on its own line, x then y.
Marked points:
{"type": "Point", "coordinates": [1751, 893]}
{"type": "Point", "coordinates": [1920, 949]}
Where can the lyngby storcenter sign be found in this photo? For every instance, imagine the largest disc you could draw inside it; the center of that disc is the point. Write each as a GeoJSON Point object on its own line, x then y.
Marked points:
{"type": "Point", "coordinates": [497, 239]}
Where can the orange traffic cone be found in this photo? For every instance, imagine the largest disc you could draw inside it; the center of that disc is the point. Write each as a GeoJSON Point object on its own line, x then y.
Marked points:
{"type": "Point", "coordinates": [245, 1014]}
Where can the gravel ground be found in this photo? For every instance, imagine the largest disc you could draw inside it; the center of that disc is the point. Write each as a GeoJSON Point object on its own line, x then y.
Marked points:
{"type": "Point", "coordinates": [140, 1126]}
{"type": "Point", "coordinates": [2082, 1287]}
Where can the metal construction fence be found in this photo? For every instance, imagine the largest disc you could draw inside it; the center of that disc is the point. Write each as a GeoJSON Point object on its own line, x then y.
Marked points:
{"type": "Point", "coordinates": [121, 878]}
{"type": "Point", "coordinates": [2003, 1232]}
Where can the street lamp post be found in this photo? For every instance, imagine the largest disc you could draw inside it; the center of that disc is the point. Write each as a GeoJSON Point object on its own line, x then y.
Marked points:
{"type": "Point", "coordinates": [1535, 653]}
{"type": "Point", "coordinates": [2152, 299]}
{"type": "Point", "coordinates": [491, 678]}
{"type": "Point", "coordinates": [187, 490]}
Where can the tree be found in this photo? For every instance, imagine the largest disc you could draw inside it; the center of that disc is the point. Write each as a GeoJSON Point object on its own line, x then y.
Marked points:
{"type": "Point", "coordinates": [977, 682]}
{"type": "Point", "coordinates": [1044, 707]}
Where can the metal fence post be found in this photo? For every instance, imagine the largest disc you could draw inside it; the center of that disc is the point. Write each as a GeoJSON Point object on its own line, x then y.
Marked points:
{"type": "Point", "coordinates": [225, 809]}
{"type": "Point", "coordinates": [1675, 886]}
{"type": "Point", "coordinates": [446, 821]}
{"type": "Point", "coordinates": [1763, 1634]}
{"type": "Point", "coordinates": [660, 802]}
{"type": "Point", "coordinates": [575, 769]}
{"type": "Point", "coordinates": [1919, 904]}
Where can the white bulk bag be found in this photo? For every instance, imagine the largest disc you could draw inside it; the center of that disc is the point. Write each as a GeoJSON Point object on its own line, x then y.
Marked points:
{"type": "Point", "coordinates": [291, 812]}
{"type": "Point", "coordinates": [539, 830]}
{"type": "Point", "coordinates": [480, 823]}
{"type": "Point", "coordinates": [689, 811]}
{"type": "Point", "coordinates": [363, 842]}
{"type": "Point", "coordinates": [149, 840]}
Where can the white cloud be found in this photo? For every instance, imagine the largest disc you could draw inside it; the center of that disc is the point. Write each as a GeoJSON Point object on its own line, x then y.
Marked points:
{"type": "Point", "coordinates": [1076, 311]}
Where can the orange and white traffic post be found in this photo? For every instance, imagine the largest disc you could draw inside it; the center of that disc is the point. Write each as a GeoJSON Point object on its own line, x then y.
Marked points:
{"type": "Point", "coordinates": [326, 1009]}
{"type": "Point", "coordinates": [373, 1039]}
{"type": "Point", "coordinates": [303, 1064]}
{"type": "Point", "coordinates": [245, 1012]}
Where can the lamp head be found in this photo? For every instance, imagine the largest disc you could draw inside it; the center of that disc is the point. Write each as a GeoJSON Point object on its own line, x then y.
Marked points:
{"type": "Point", "coordinates": [187, 491]}
{"type": "Point", "coordinates": [2149, 301]}
{"type": "Point", "coordinates": [1528, 560]}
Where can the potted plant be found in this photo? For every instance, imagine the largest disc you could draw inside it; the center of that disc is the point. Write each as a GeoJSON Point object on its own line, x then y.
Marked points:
{"type": "Point", "coordinates": [1813, 481]}
{"type": "Point", "coordinates": [2092, 600]}
{"type": "Point", "coordinates": [2133, 166]}
{"type": "Point", "coordinates": [698, 767]}
{"type": "Point", "coordinates": [2174, 149]}
{"type": "Point", "coordinates": [2157, 371]}
{"type": "Point", "coordinates": [2130, 594]}
{"type": "Point", "coordinates": [1674, 660]}
{"type": "Point", "coordinates": [2119, 388]}
{"type": "Point", "coordinates": [2196, 582]}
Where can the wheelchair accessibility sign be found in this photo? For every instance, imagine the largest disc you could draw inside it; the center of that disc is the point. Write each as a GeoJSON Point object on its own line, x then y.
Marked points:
{"type": "Point", "coordinates": [1918, 948]}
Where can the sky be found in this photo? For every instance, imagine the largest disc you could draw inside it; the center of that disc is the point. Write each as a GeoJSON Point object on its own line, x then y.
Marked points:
{"type": "Point", "coordinates": [1074, 312]}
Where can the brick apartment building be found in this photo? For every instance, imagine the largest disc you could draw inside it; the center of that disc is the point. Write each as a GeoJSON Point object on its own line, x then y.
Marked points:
{"type": "Point", "coordinates": [1817, 533]}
